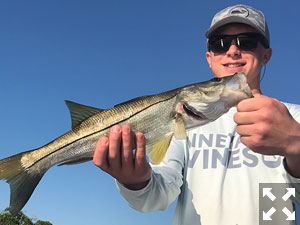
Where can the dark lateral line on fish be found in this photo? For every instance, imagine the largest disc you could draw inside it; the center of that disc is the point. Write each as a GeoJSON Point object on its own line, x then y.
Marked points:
{"type": "Point", "coordinates": [108, 127]}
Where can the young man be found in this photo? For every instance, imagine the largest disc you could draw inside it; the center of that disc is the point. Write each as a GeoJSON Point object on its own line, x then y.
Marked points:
{"type": "Point", "coordinates": [216, 172]}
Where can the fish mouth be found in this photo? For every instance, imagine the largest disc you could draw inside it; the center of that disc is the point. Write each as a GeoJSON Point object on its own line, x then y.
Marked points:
{"type": "Point", "coordinates": [191, 111]}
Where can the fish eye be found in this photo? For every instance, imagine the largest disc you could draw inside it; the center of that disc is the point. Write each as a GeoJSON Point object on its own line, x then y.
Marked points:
{"type": "Point", "coordinates": [216, 79]}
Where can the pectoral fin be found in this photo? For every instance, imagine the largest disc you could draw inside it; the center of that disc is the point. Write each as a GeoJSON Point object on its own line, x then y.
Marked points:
{"type": "Point", "coordinates": [179, 128]}
{"type": "Point", "coordinates": [157, 151]}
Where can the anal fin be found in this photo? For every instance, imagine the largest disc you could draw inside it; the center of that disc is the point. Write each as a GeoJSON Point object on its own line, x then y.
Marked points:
{"type": "Point", "coordinates": [76, 161]}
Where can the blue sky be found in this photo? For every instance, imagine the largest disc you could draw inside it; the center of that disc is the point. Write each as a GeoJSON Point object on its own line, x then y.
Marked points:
{"type": "Point", "coordinates": [101, 53]}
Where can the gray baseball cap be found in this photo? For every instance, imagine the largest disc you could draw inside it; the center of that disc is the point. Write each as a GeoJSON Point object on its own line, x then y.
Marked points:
{"type": "Point", "coordinates": [240, 14]}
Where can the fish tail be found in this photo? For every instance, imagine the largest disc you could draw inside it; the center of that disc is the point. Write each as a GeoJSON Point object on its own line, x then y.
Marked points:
{"type": "Point", "coordinates": [22, 180]}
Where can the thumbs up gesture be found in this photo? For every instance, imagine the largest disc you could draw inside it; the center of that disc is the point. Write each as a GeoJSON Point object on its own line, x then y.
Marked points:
{"type": "Point", "coordinates": [266, 127]}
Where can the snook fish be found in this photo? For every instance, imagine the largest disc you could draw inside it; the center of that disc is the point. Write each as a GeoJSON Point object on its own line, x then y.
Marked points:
{"type": "Point", "coordinates": [159, 117]}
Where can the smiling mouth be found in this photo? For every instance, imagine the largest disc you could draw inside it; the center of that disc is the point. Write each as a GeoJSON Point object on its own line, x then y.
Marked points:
{"type": "Point", "coordinates": [234, 65]}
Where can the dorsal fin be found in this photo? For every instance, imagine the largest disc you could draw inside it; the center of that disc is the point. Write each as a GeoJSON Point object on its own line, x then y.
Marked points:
{"type": "Point", "coordinates": [80, 112]}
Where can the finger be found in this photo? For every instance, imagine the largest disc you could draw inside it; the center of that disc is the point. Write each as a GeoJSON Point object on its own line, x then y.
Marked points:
{"type": "Point", "coordinates": [244, 130]}
{"type": "Point", "coordinates": [100, 154]}
{"type": "Point", "coordinates": [127, 149]}
{"type": "Point", "coordinates": [140, 153]}
{"type": "Point", "coordinates": [250, 104]}
{"type": "Point", "coordinates": [246, 140]}
{"type": "Point", "coordinates": [114, 148]}
{"type": "Point", "coordinates": [255, 145]}
{"type": "Point", "coordinates": [242, 118]}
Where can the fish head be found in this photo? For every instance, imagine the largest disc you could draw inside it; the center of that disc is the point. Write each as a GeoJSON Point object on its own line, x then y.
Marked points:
{"type": "Point", "coordinates": [204, 102]}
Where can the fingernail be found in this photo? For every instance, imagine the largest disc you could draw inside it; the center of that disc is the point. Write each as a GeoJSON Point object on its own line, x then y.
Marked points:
{"type": "Point", "coordinates": [140, 137]}
{"type": "Point", "coordinates": [125, 129]}
{"type": "Point", "coordinates": [116, 129]}
{"type": "Point", "coordinates": [103, 141]}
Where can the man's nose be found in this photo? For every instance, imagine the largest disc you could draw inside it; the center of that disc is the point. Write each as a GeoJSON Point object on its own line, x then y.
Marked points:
{"type": "Point", "coordinates": [233, 49]}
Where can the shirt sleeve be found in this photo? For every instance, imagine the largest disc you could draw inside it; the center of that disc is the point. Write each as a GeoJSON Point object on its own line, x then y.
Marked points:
{"type": "Point", "coordinates": [164, 185]}
{"type": "Point", "coordinates": [292, 181]}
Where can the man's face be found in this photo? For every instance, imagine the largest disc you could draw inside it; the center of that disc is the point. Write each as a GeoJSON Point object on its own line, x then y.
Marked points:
{"type": "Point", "coordinates": [235, 60]}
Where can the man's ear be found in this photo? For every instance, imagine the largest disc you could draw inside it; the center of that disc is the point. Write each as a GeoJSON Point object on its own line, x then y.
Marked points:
{"type": "Point", "coordinates": [208, 58]}
{"type": "Point", "coordinates": [267, 56]}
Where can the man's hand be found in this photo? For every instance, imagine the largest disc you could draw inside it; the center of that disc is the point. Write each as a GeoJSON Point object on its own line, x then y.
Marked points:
{"type": "Point", "coordinates": [114, 155]}
{"type": "Point", "coordinates": [266, 127]}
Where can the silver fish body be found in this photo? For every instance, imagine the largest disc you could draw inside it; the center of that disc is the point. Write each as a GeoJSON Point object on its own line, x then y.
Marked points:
{"type": "Point", "coordinates": [159, 117]}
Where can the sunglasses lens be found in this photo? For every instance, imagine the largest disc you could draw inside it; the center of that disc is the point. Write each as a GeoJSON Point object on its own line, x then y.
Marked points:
{"type": "Point", "coordinates": [220, 45]}
{"type": "Point", "coordinates": [247, 43]}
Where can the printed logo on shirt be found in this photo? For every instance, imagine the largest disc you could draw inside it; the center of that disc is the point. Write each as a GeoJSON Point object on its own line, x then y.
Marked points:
{"type": "Point", "coordinates": [219, 150]}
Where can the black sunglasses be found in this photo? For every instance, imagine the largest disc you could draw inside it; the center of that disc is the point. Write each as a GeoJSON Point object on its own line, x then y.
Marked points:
{"type": "Point", "coordinates": [244, 41]}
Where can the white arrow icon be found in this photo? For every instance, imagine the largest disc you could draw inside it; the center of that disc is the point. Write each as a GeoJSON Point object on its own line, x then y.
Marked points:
{"type": "Point", "coordinates": [290, 216]}
{"type": "Point", "coordinates": [267, 215]}
{"type": "Point", "coordinates": [267, 192]}
{"type": "Point", "coordinates": [290, 192]}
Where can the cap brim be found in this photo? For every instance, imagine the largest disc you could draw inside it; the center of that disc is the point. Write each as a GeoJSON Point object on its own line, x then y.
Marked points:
{"type": "Point", "coordinates": [232, 19]}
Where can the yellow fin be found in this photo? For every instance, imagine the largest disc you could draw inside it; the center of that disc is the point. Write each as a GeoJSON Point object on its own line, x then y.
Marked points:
{"type": "Point", "coordinates": [22, 181]}
{"type": "Point", "coordinates": [179, 128]}
{"type": "Point", "coordinates": [157, 151]}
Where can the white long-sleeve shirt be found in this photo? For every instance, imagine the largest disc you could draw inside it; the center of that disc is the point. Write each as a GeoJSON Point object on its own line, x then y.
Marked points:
{"type": "Point", "coordinates": [215, 176]}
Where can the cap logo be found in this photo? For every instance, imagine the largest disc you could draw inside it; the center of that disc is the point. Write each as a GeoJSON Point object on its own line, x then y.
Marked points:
{"type": "Point", "coordinates": [239, 11]}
